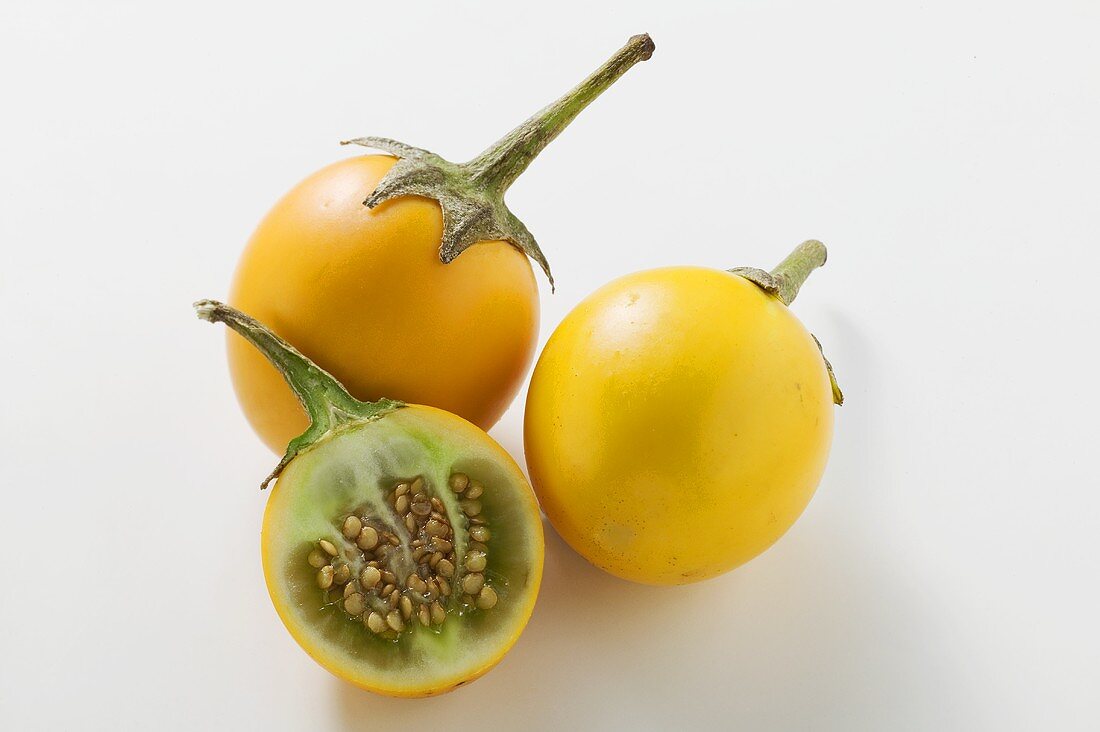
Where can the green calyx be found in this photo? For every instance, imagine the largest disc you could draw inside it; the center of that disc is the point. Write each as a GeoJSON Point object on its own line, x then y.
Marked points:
{"type": "Point", "coordinates": [471, 194]}
{"type": "Point", "coordinates": [329, 405]}
{"type": "Point", "coordinates": [784, 282]}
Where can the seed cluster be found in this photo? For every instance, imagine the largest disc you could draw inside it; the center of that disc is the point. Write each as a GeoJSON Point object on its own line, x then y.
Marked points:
{"type": "Point", "coordinates": [387, 603]}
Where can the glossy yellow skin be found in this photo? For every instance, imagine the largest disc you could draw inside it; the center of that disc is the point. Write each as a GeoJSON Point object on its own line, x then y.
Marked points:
{"type": "Point", "coordinates": [678, 422]}
{"type": "Point", "coordinates": [473, 657]}
{"type": "Point", "coordinates": [364, 295]}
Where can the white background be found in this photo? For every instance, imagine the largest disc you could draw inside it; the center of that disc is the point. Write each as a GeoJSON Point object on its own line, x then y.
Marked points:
{"type": "Point", "coordinates": [945, 575]}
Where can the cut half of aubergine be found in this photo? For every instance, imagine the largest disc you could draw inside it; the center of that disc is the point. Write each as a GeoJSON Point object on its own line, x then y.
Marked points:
{"type": "Point", "coordinates": [402, 546]}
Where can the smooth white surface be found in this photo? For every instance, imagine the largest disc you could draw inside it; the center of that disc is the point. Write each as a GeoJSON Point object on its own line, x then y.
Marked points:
{"type": "Point", "coordinates": [945, 575]}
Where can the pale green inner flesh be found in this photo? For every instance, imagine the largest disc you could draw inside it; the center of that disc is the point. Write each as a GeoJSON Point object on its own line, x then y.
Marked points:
{"type": "Point", "coordinates": [356, 473]}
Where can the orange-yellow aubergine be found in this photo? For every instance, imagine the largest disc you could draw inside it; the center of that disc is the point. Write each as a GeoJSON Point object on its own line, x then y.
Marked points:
{"type": "Point", "coordinates": [404, 274]}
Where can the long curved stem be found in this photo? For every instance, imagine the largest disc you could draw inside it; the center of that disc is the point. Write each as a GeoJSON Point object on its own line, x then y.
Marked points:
{"type": "Point", "coordinates": [499, 166]}
{"type": "Point", "coordinates": [471, 194]}
{"type": "Point", "coordinates": [326, 401]}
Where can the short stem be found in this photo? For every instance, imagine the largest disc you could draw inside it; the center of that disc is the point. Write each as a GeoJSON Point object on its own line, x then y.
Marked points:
{"type": "Point", "coordinates": [793, 271]}
{"type": "Point", "coordinates": [500, 165]}
{"type": "Point", "coordinates": [324, 398]}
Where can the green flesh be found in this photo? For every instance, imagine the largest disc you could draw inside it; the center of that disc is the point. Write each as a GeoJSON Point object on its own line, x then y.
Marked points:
{"type": "Point", "coordinates": [354, 472]}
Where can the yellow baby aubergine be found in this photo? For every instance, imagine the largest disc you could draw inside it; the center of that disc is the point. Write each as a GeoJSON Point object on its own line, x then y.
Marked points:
{"type": "Point", "coordinates": [679, 419]}
{"type": "Point", "coordinates": [402, 547]}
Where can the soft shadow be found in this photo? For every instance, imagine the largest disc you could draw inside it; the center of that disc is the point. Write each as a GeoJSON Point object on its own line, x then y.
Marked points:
{"type": "Point", "coordinates": [581, 610]}
{"type": "Point", "coordinates": [819, 628]}
{"type": "Point", "coordinates": [827, 630]}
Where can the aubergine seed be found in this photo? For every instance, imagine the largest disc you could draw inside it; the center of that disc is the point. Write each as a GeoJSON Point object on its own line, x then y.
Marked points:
{"type": "Point", "coordinates": [317, 559]}
{"type": "Point", "coordinates": [324, 577]}
{"type": "Point", "coordinates": [376, 623]}
{"type": "Point", "coordinates": [352, 527]}
{"type": "Point", "coordinates": [368, 538]}
{"type": "Point", "coordinates": [459, 482]}
{"type": "Point", "coordinates": [354, 604]}
{"type": "Point", "coordinates": [374, 552]}
{"type": "Point", "coordinates": [416, 584]}
{"type": "Point", "coordinates": [369, 577]}
{"type": "Point", "coordinates": [487, 598]}
{"type": "Point", "coordinates": [475, 561]}
{"type": "Point", "coordinates": [472, 583]}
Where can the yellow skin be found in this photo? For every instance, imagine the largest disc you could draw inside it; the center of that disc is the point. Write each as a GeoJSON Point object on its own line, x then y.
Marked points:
{"type": "Point", "coordinates": [364, 295]}
{"type": "Point", "coordinates": [677, 424]}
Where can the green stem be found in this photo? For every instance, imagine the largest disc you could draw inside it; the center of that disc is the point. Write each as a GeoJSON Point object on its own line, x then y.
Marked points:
{"type": "Point", "coordinates": [500, 165]}
{"type": "Point", "coordinates": [793, 271]}
{"type": "Point", "coordinates": [784, 282]}
{"type": "Point", "coordinates": [326, 401]}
